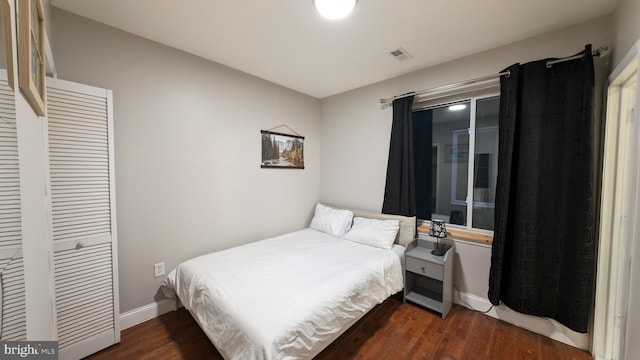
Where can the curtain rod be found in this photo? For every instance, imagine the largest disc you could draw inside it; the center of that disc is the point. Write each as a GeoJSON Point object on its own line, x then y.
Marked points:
{"type": "Point", "coordinates": [600, 52]}
{"type": "Point", "coordinates": [386, 102]}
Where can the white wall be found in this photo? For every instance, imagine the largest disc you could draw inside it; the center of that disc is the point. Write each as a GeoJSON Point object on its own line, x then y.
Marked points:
{"type": "Point", "coordinates": [356, 132]}
{"type": "Point", "coordinates": [187, 150]}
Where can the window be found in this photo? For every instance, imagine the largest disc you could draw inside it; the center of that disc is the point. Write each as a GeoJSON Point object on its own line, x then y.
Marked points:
{"type": "Point", "coordinates": [456, 161]}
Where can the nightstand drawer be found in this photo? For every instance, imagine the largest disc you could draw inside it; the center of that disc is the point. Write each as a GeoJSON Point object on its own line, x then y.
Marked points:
{"type": "Point", "coordinates": [425, 268]}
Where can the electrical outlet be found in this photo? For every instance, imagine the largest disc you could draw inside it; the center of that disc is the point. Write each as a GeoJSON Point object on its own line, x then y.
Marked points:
{"type": "Point", "coordinates": [158, 269]}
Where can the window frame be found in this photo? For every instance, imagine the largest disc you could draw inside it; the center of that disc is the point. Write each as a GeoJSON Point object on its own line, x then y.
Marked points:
{"type": "Point", "coordinates": [465, 232]}
{"type": "Point", "coordinates": [455, 135]}
{"type": "Point", "coordinates": [495, 129]}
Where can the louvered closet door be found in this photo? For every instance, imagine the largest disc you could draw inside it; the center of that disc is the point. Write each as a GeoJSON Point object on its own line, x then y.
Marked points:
{"type": "Point", "coordinates": [12, 296]}
{"type": "Point", "coordinates": [83, 215]}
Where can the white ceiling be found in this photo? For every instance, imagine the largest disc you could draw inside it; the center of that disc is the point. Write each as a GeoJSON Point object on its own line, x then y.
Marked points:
{"type": "Point", "coordinates": [288, 43]}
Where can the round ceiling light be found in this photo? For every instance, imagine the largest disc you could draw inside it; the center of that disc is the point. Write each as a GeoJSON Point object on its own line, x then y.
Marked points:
{"type": "Point", "coordinates": [334, 9]}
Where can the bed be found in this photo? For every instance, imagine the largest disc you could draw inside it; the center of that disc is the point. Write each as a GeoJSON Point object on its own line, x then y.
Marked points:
{"type": "Point", "coordinates": [290, 296]}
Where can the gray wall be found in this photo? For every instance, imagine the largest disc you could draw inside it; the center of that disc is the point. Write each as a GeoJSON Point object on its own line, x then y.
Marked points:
{"type": "Point", "coordinates": [187, 150]}
{"type": "Point", "coordinates": [626, 22]}
{"type": "Point", "coordinates": [626, 27]}
{"type": "Point", "coordinates": [355, 134]}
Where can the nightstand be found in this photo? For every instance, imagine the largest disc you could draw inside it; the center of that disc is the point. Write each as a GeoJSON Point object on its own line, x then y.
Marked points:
{"type": "Point", "coordinates": [428, 279]}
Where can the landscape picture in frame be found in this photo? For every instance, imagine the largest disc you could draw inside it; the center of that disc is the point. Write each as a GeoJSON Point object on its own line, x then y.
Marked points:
{"type": "Point", "coordinates": [282, 151]}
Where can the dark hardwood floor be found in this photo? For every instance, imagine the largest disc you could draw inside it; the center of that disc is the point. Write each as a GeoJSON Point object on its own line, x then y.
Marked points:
{"type": "Point", "coordinates": [393, 330]}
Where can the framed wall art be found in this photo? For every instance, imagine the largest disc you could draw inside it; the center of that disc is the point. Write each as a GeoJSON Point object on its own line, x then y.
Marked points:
{"type": "Point", "coordinates": [31, 66]}
{"type": "Point", "coordinates": [7, 36]}
{"type": "Point", "coordinates": [282, 150]}
{"type": "Point", "coordinates": [457, 153]}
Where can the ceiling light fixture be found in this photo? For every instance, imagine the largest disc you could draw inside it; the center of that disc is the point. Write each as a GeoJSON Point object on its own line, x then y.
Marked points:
{"type": "Point", "coordinates": [457, 107]}
{"type": "Point", "coordinates": [334, 9]}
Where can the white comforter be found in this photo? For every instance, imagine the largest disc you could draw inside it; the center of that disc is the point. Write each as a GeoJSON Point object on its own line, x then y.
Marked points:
{"type": "Point", "coordinates": [286, 297]}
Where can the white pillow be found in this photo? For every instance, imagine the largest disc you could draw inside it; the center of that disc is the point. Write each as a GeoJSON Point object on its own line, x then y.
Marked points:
{"type": "Point", "coordinates": [331, 221]}
{"type": "Point", "coordinates": [372, 232]}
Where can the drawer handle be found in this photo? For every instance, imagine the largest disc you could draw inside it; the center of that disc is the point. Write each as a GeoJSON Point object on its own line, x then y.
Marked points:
{"type": "Point", "coordinates": [423, 269]}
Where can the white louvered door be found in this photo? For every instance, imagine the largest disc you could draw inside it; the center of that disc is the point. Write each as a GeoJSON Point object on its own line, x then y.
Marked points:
{"type": "Point", "coordinates": [12, 293]}
{"type": "Point", "coordinates": [83, 216]}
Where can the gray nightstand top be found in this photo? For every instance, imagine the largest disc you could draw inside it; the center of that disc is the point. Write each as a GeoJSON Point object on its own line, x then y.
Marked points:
{"type": "Point", "coordinates": [421, 249]}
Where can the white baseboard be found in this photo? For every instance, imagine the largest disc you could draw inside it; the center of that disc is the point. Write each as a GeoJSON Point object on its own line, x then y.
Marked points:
{"type": "Point", "coordinates": [146, 312]}
{"type": "Point", "coordinates": [543, 326]}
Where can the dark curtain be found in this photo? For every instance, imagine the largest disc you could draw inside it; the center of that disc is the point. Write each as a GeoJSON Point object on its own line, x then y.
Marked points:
{"type": "Point", "coordinates": [399, 191]}
{"type": "Point", "coordinates": [542, 259]}
{"type": "Point", "coordinates": [422, 161]}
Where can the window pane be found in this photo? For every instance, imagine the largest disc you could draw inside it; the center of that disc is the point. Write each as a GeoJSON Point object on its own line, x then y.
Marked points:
{"type": "Point", "coordinates": [486, 163]}
{"type": "Point", "coordinates": [441, 154]}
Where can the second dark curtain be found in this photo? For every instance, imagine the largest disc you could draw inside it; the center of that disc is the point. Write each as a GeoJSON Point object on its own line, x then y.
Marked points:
{"type": "Point", "coordinates": [543, 248]}
{"type": "Point", "coordinates": [400, 189]}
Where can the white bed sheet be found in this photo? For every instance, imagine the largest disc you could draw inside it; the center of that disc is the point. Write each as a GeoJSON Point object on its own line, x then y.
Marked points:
{"type": "Point", "coordinates": [286, 297]}
{"type": "Point", "coordinates": [399, 251]}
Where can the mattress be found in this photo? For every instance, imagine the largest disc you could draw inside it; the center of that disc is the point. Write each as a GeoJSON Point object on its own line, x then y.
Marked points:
{"type": "Point", "coordinates": [286, 297]}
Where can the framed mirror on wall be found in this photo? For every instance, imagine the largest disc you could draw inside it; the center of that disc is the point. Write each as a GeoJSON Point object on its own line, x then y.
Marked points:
{"type": "Point", "coordinates": [31, 53]}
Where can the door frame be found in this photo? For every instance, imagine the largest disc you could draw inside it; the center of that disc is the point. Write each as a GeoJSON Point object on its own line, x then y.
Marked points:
{"type": "Point", "coordinates": [619, 209]}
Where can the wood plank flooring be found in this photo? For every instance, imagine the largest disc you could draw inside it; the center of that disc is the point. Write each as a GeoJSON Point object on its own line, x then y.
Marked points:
{"type": "Point", "coordinates": [393, 330]}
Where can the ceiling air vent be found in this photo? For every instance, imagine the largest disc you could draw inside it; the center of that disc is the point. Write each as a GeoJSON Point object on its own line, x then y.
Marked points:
{"type": "Point", "coordinates": [400, 54]}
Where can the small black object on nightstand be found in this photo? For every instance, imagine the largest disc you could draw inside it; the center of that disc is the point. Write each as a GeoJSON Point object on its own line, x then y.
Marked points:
{"type": "Point", "coordinates": [438, 230]}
